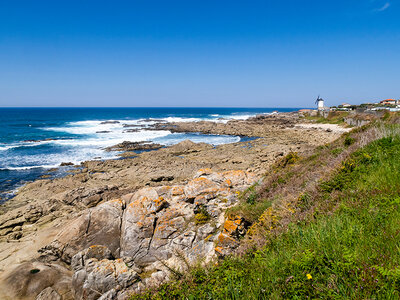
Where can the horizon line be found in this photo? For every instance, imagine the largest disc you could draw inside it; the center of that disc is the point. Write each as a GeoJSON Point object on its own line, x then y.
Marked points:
{"type": "Point", "coordinates": [275, 107]}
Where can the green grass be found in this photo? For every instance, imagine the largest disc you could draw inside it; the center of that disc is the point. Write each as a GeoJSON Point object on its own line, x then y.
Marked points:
{"type": "Point", "coordinates": [250, 206]}
{"type": "Point", "coordinates": [252, 202]}
{"type": "Point", "coordinates": [351, 250]}
{"type": "Point", "coordinates": [336, 117]}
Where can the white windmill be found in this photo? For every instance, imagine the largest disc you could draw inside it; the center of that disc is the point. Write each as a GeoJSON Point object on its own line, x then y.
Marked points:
{"type": "Point", "coordinates": [320, 103]}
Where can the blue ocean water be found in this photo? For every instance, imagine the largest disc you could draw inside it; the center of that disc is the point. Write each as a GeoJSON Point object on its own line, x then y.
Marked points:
{"type": "Point", "coordinates": [34, 140]}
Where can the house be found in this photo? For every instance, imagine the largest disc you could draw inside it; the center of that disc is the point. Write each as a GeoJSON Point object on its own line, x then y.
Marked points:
{"type": "Point", "coordinates": [345, 107]}
{"type": "Point", "coordinates": [389, 102]}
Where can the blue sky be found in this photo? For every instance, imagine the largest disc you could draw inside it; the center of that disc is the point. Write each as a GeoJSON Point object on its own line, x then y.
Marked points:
{"type": "Point", "coordinates": [198, 53]}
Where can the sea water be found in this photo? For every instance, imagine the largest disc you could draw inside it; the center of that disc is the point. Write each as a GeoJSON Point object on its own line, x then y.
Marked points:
{"type": "Point", "coordinates": [35, 140]}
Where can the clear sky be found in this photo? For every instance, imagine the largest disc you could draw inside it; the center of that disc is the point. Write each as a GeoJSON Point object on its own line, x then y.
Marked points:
{"type": "Point", "coordinates": [198, 53]}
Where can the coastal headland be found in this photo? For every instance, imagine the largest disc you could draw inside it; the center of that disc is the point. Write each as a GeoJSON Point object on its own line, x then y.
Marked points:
{"type": "Point", "coordinates": [115, 227]}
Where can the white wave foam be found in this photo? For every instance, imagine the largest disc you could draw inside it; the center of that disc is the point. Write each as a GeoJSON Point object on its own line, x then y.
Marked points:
{"type": "Point", "coordinates": [82, 130]}
{"type": "Point", "coordinates": [241, 117]}
{"type": "Point", "coordinates": [105, 140]}
{"type": "Point", "coordinates": [24, 144]}
{"type": "Point", "coordinates": [94, 127]}
{"type": "Point", "coordinates": [179, 119]}
{"type": "Point", "coordinates": [4, 148]}
{"type": "Point", "coordinates": [75, 155]}
{"type": "Point", "coordinates": [92, 123]}
{"type": "Point", "coordinates": [176, 138]}
{"type": "Point", "coordinates": [91, 137]}
{"type": "Point", "coordinates": [76, 150]}
{"type": "Point", "coordinates": [30, 167]}
{"type": "Point", "coordinates": [227, 118]}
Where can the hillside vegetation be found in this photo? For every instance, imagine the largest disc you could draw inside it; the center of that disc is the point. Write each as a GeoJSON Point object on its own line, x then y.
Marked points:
{"type": "Point", "coordinates": [324, 226]}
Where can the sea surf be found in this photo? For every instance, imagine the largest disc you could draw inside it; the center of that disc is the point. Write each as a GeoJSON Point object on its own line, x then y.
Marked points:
{"type": "Point", "coordinates": [36, 140]}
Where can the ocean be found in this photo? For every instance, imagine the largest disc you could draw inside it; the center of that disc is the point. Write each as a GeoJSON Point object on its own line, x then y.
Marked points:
{"type": "Point", "coordinates": [35, 141]}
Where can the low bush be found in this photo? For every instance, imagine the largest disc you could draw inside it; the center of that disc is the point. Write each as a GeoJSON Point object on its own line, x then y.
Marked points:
{"type": "Point", "coordinates": [348, 141]}
{"type": "Point", "coordinates": [201, 217]}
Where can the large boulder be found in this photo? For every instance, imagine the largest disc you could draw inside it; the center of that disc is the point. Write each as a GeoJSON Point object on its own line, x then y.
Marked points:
{"type": "Point", "coordinates": [102, 277]}
{"type": "Point", "coordinates": [96, 226]}
{"type": "Point", "coordinates": [139, 223]}
{"type": "Point", "coordinates": [200, 186]}
{"type": "Point", "coordinates": [48, 294]}
{"type": "Point", "coordinates": [29, 279]}
{"type": "Point", "coordinates": [239, 177]}
{"type": "Point", "coordinates": [152, 228]}
{"type": "Point", "coordinates": [98, 252]}
{"type": "Point", "coordinates": [159, 222]}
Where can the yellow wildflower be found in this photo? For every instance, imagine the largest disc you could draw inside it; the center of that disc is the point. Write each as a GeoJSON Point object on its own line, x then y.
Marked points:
{"type": "Point", "coordinates": [309, 277]}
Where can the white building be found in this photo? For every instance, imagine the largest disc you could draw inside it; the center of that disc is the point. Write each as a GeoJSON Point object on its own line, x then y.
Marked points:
{"type": "Point", "coordinates": [320, 103]}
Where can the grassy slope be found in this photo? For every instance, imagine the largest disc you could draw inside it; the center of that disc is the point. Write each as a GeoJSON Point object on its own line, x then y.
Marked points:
{"type": "Point", "coordinates": [346, 246]}
{"type": "Point", "coordinates": [335, 117]}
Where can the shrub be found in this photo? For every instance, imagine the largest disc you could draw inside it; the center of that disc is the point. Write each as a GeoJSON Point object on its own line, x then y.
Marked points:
{"type": "Point", "coordinates": [348, 141]}
{"type": "Point", "coordinates": [251, 199]}
{"type": "Point", "coordinates": [201, 217]}
{"type": "Point", "coordinates": [336, 151]}
{"type": "Point", "coordinates": [290, 159]}
{"type": "Point", "coordinates": [303, 202]}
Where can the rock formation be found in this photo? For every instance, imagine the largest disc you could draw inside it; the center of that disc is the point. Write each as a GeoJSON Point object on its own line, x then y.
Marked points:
{"type": "Point", "coordinates": [108, 250]}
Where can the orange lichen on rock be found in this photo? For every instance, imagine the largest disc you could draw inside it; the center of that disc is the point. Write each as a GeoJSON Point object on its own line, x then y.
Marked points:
{"type": "Point", "coordinates": [233, 228]}
{"type": "Point", "coordinates": [118, 200]}
{"type": "Point", "coordinates": [200, 186]}
{"type": "Point", "coordinates": [177, 190]}
{"type": "Point", "coordinates": [225, 240]}
{"type": "Point", "coordinates": [228, 182]}
{"type": "Point", "coordinates": [202, 172]}
{"type": "Point", "coordinates": [219, 251]}
{"type": "Point", "coordinates": [230, 226]}
{"type": "Point", "coordinates": [233, 224]}
{"type": "Point", "coordinates": [158, 200]}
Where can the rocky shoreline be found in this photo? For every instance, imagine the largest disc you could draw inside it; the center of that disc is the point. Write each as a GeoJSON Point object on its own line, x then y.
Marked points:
{"type": "Point", "coordinates": [115, 227]}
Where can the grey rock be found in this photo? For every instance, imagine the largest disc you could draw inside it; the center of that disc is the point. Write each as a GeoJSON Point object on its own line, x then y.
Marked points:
{"type": "Point", "coordinates": [48, 294]}
{"type": "Point", "coordinates": [98, 252]}
{"type": "Point", "coordinates": [30, 279]}
{"type": "Point", "coordinates": [97, 226]}
{"type": "Point", "coordinates": [97, 278]}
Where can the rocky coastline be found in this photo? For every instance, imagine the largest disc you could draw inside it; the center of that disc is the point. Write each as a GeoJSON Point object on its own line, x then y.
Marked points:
{"type": "Point", "coordinates": [112, 228]}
